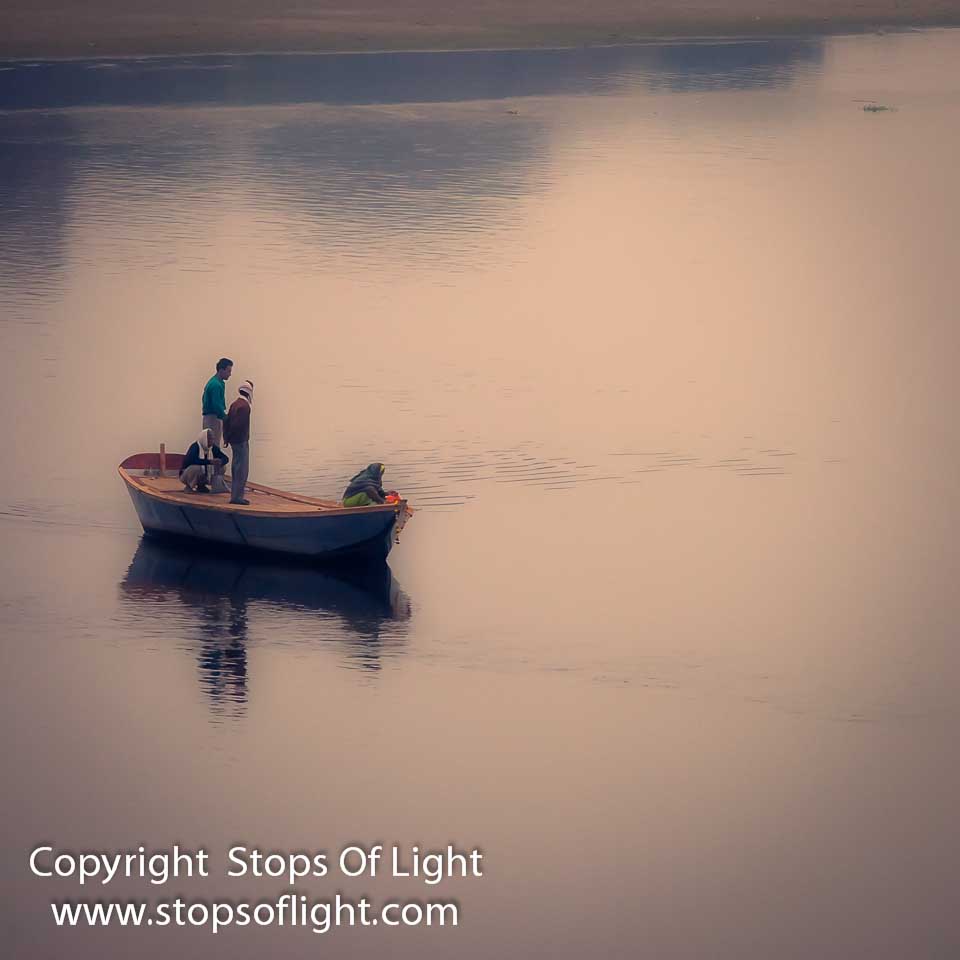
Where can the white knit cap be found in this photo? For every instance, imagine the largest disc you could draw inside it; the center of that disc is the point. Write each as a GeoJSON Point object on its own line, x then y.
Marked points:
{"type": "Point", "coordinates": [246, 388]}
{"type": "Point", "coordinates": [204, 439]}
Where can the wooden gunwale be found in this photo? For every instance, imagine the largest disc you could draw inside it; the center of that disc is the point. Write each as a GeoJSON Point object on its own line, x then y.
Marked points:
{"type": "Point", "coordinates": [320, 508]}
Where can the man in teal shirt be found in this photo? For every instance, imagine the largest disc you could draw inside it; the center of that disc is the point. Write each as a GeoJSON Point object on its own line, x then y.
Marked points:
{"type": "Point", "coordinates": [214, 409]}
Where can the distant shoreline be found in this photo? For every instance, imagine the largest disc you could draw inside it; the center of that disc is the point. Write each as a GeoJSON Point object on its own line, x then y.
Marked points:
{"type": "Point", "coordinates": [46, 29]}
{"type": "Point", "coordinates": [705, 39]}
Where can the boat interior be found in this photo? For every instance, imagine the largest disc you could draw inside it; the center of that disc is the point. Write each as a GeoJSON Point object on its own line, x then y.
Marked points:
{"type": "Point", "coordinates": [157, 475]}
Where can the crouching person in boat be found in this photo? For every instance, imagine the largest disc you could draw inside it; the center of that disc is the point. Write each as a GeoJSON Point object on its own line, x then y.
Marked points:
{"type": "Point", "coordinates": [203, 462]}
{"type": "Point", "coordinates": [366, 487]}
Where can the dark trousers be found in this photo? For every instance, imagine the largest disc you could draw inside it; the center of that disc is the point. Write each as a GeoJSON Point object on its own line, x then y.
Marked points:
{"type": "Point", "coordinates": [241, 469]}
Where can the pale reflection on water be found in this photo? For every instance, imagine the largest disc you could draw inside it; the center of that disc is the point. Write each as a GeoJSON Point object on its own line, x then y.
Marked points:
{"type": "Point", "coordinates": [660, 343]}
{"type": "Point", "coordinates": [214, 602]}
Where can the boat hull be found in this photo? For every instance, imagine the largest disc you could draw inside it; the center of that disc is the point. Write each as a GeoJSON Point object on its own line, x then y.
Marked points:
{"type": "Point", "coordinates": [355, 534]}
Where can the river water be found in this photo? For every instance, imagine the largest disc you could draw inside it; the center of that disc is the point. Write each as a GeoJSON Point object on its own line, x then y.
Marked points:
{"type": "Point", "coordinates": [659, 341]}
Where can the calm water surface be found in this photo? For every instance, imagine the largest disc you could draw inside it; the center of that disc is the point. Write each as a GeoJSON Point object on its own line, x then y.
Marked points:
{"type": "Point", "coordinates": [661, 342]}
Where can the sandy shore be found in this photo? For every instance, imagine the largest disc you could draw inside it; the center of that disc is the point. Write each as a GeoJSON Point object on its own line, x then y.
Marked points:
{"type": "Point", "coordinates": [61, 28]}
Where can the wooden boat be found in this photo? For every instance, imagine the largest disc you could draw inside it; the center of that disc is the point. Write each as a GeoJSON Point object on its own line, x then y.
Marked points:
{"type": "Point", "coordinates": [275, 521]}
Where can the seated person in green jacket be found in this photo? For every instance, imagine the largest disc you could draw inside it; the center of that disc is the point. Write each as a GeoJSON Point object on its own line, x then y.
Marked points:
{"type": "Point", "coordinates": [365, 488]}
{"type": "Point", "coordinates": [203, 459]}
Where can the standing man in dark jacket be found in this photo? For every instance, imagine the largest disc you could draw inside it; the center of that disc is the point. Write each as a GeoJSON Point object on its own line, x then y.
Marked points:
{"type": "Point", "coordinates": [214, 401]}
{"type": "Point", "coordinates": [236, 431]}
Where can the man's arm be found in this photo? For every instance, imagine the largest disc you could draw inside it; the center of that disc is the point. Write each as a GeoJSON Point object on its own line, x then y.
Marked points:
{"type": "Point", "coordinates": [376, 494]}
{"type": "Point", "coordinates": [220, 405]}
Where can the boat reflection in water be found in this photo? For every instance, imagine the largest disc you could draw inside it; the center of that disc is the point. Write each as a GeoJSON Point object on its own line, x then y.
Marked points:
{"type": "Point", "coordinates": [221, 606]}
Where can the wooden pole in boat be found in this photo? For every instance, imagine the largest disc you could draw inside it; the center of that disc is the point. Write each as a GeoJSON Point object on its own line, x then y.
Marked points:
{"type": "Point", "coordinates": [163, 459]}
